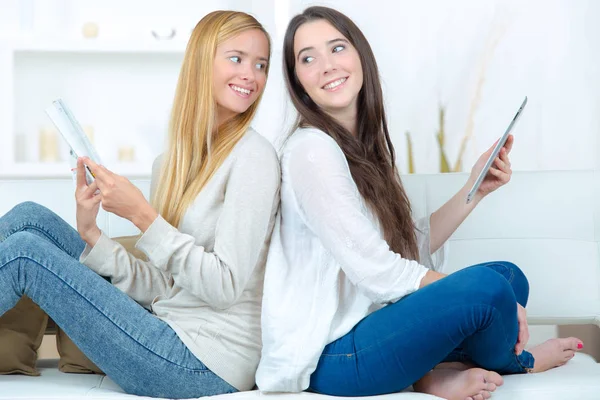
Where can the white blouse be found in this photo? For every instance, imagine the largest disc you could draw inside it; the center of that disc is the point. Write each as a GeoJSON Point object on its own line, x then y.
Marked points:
{"type": "Point", "coordinates": [328, 265]}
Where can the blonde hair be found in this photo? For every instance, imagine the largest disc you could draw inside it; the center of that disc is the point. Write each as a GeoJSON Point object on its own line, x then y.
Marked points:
{"type": "Point", "coordinates": [197, 147]}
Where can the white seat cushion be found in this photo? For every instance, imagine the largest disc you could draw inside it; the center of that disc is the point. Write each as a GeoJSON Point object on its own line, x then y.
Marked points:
{"type": "Point", "coordinates": [579, 379]}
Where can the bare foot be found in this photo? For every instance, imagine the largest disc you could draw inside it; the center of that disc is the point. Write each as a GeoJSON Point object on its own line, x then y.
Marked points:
{"type": "Point", "coordinates": [554, 353]}
{"type": "Point", "coordinates": [460, 366]}
{"type": "Point", "coordinates": [452, 384]}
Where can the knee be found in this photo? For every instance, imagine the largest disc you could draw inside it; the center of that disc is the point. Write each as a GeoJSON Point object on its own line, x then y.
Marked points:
{"type": "Point", "coordinates": [29, 213]}
{"type": "Point", "coordinates": [517, 279]}
{"type": "Point", "coordinates": [19, 245]}
{"type": "Point", "coordinates": [488, 286]}
{"type": "Point", "coordinates": [21, 239]}
{"type": "Point", "coordinates": [29, 209]}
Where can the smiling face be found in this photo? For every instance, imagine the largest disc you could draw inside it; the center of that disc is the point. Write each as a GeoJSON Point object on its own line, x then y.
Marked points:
{"type": "Point", "coordinates": [328, 67]}
{"type": "Point", "coordinates": [239, 72]}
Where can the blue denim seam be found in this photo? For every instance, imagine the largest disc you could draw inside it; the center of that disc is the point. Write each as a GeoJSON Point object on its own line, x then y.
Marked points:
{"type": "Point", "coordinates": [391, 336]}
{"type": "Point", "coordinates": [511, 271]}
{"type": "Point", "coordinates": [108, 318]}
{"type": "Point", "coordinates": [395, 334]}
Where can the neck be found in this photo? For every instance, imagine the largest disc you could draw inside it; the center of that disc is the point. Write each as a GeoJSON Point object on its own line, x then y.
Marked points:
{"type": "Point", "coordinates": [223, 116]}
{"type": "Point", "coordinates": [347, 118]}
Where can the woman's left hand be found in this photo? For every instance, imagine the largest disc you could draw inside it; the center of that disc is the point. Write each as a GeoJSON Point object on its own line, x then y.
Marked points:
{"type": "Point", "coordinates": [523, 330]}
{"type": "Point", "coordinates": [121, 197]}
{"type": "Point", "coordinates": [499, 173]}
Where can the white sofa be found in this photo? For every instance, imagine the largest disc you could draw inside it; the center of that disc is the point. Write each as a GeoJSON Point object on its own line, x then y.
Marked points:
{"type": "Point", "coordinates": [548, 223]}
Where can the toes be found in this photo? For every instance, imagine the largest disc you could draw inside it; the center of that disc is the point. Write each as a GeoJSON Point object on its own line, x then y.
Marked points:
{"type": "Point", "coordinates": [485, 394]}
{"type": "Point", "coordinates": [478, 397]}
{"type": "Point", "coordinates": [572, 343]}
{"type": "Point", "coordinates": [494, 377]}
{"type": "Point", "coordinates": [490, 387]}
{"type": "Point", "coordinates": [568, 355]}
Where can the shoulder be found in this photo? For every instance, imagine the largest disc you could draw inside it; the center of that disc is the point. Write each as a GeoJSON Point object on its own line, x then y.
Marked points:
{"type": "Point", "coordinates": [255, 146]}
{"type": "Point", "coordinates": [306, 137]}
{"type": "Point", "coordinates": [312, 146]}
{"type": "Point", "coordinates": [255, 155]}
{"type": "Point", "coordinates": [156, 166]}
{"type": "Point", "coordinates": [157, 163]}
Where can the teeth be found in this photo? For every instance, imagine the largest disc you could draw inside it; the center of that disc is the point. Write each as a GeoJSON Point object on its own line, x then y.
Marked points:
{"type": "Point", "coordinates": [239, 89]}
{"type": "Point", "coordinates": [335, 83]}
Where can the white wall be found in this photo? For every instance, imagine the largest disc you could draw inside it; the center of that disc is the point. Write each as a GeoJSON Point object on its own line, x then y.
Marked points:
{"type": "Point", "coordinates": [429, 52]}
{"type": "Point", "coordinates": [433, 52]}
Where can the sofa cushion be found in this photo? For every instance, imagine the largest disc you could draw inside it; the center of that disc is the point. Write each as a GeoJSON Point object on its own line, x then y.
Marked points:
{"type": "Point", "coordinates": [579, 379]}
{"type": "Point", "coordinates": [72, 360]}
{"type": "Point", "coordinates": [21, 333]}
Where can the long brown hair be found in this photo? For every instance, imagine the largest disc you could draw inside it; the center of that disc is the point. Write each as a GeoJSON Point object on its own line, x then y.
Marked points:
{"type": "Point", "coordinates": [197, 147]}
{"type": "Point", "coordinates": [370, 154]}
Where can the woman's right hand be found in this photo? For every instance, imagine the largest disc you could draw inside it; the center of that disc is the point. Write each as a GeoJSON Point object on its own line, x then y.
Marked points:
{"type": "Point", "coordinates": [88, 204]}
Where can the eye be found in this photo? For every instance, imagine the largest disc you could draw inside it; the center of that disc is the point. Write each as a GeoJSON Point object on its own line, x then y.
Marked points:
{"type": "Point", "coordinates": [338, 48]}
{"type": "Point", "coordinates": [235, 59]}
{"type": "Point", "coordinates": [307, 59]}
{"type": "Point", "coordinates": [261, 66]}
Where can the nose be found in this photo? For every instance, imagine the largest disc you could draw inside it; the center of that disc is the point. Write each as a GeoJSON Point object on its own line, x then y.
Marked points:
{"type": "Point", "coordinates": [329, 64]}
{"type": "Point", "coordinates": [248, 73]}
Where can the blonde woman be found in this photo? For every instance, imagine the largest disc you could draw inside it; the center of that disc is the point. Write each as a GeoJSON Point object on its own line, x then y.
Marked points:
{"type": "Point", "coordinates": [184, 323]}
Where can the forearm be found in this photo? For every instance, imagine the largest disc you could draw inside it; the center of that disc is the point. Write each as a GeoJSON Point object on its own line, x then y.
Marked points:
{"type": "Point", "coordinates": [144, 217]}
{"type": "Point", "coordinates": [142, 220]}
{"type": "Point", "coordinates": [91, 237]}
{"type": "Point", "coordinates": [448, 218]}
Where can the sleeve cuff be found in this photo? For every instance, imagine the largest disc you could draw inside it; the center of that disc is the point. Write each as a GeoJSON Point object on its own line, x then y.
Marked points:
{"type": "Point", "coordinates": [152, 241]}
{"type": "Point", "coordinates": [97, 257]}
{"type": "Point", "coordinates": [437, 260]}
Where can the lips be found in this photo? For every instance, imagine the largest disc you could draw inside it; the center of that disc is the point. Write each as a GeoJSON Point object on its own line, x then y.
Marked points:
{"type": "Point", "coordinates": [241, 91]}
{"type": "Point", "coordinates": [335, 84]}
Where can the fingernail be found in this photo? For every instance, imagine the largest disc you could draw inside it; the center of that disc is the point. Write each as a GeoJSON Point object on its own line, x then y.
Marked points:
{"type": "Point", "coordinates": [580, 345]}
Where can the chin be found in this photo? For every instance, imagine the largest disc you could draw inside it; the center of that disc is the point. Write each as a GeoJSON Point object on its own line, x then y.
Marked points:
{"type": "Point", "coordinates": [338, 105]}
{"type": "Point", "coordinates": [238, 108]}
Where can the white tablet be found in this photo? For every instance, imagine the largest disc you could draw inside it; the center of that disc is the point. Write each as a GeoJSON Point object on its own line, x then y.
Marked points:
{"type": "Point", "coordinates": [495, 153]}
{"type": "Point", "coordinates": [71, 131]}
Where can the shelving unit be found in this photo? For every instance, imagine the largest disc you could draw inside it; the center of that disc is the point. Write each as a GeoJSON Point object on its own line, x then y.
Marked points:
{"type": "Point", "coordinates": [46, 170]}
{"type": "Point", "coordinates": [122, 89]}
{"type": "Point", "coordinates": [97, 46]}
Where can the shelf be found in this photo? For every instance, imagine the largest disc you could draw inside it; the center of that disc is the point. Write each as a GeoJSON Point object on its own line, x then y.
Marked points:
{"type": "Point", "coordinates": [63, 170]}
{"type": "Point", "coordinates": [99, 46]}
{"type": "Point", "coordinates": [86, 72]}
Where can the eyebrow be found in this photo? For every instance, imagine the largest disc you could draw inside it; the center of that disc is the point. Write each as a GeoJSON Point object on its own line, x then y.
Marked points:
{"type": "Point", "coordinates": [328, 42]}
{"type": "Point", "coordinates": [243, 53]}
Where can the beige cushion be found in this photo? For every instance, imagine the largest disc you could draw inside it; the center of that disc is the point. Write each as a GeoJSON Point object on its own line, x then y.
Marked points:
{"type": "Point", "coordinates": [72, 360]}
{"type": "Point", "coordinates": [21, 332]}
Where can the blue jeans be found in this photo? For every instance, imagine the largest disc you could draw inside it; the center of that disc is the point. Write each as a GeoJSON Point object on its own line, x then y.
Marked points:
{"type": "Point", "coordinates": [471, 315]}
{"type": "Point", "coordinates": [39, 257]}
